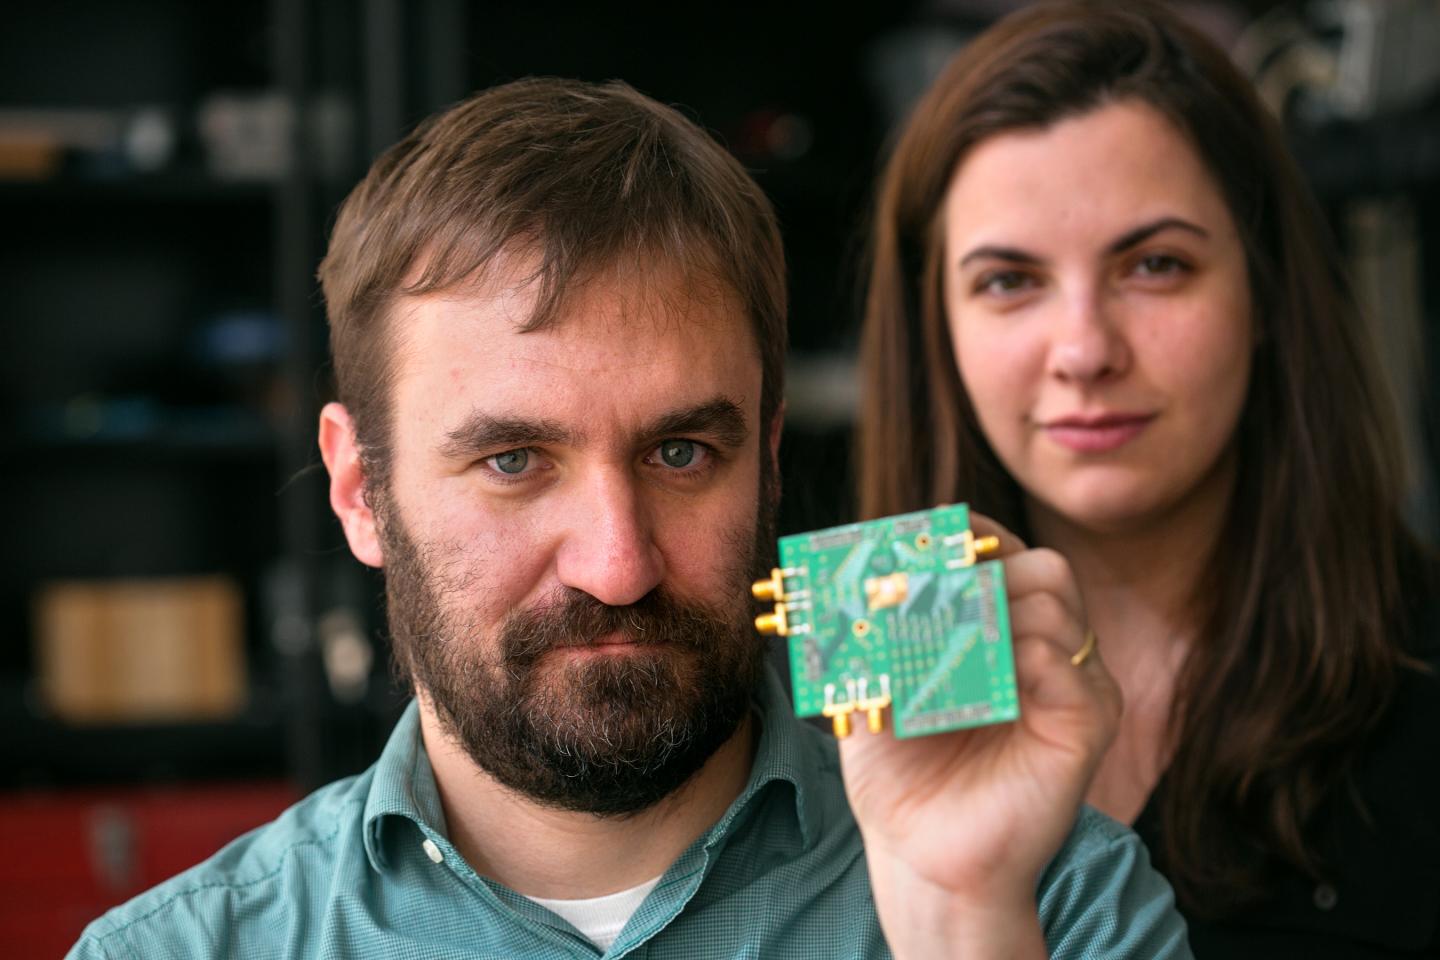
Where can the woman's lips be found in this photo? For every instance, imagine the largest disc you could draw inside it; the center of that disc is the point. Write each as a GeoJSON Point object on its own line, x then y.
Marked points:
{"type": "Point", "coordinates": [1096, 434]}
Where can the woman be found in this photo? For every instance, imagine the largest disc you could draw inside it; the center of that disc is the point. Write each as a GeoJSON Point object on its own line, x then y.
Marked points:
{"type": "Point", "coordinates": [1102, 309]}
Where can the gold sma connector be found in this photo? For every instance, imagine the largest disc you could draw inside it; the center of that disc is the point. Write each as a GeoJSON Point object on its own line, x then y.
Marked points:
{"type": "Point", "coordinates": [857, 700]}
{"type": "Point", "coordinates": [777, 622]}
{"type": "Point", "coordinates": [774, 623]}
{"type": "Point", "coordinates": [972, 548]}
{"type": "Point", "coordinates": [770, 589]}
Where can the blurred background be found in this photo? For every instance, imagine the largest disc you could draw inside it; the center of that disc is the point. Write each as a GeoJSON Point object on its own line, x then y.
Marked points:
{"type": "Point", "coordinates": [186, 646]}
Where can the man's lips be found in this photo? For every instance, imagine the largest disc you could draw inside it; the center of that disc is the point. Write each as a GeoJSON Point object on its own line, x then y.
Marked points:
{"type": "Point", "coordinates": [1097, 433]}
{"type": "Point", "coordinates": [614, 642]}
{"type": "Point", "coordinates": [614, 638]}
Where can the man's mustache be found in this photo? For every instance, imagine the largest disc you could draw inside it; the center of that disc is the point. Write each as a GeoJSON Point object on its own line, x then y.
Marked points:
{"type": "Point", "coordinates": [574, 618]}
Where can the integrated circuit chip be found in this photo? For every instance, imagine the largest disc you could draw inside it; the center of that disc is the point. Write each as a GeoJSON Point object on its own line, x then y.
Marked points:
{"type": "Point", "coordinates": [897, 614]}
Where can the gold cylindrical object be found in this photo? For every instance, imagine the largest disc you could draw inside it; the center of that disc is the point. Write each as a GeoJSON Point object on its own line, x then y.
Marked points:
{"type": "Point", "coordinates": [875, 719]}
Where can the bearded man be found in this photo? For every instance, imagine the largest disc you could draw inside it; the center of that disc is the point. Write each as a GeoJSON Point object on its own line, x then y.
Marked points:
{"type": "Point", "coordinates": [558, 323]}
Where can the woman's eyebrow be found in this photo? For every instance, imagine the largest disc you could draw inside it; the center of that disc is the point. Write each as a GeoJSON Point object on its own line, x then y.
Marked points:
{"type": "Point", "coordinates": [1144, 232]}
{"type": "Point", "coordinates": [991, 252]}
{"type": "Point", "coordinates": [1129, 239]}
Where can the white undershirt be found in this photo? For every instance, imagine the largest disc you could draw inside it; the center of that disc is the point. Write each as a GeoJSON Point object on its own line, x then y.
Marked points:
{"type": "Point", "coordinates": [601, 918]}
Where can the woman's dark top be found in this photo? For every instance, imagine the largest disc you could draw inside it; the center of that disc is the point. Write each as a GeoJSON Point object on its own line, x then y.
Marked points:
{"type": "Point", "coordinates": [1379, 893]}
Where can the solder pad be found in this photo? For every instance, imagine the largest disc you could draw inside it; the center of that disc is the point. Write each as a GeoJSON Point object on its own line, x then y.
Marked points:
{"type": "Point", "coordinates": [899, 613]}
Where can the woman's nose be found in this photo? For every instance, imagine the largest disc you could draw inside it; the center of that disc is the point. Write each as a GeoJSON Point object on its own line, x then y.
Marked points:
{"type": "Point", "coordinates": [1088, 343]}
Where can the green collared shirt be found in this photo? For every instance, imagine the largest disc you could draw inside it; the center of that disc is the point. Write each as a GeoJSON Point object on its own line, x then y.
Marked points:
{"type": "Point", "coordinates": [347, 872]}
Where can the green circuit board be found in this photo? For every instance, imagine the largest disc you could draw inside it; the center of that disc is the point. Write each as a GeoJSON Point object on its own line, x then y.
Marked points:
{"type": "Point", "coordinates": [898, 613]}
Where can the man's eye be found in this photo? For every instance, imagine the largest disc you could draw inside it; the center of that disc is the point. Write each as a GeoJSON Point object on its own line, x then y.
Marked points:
{"type": "Point", "coordinates": [510, 462]}
{"type": "Point", "coordinates": [679, 453]}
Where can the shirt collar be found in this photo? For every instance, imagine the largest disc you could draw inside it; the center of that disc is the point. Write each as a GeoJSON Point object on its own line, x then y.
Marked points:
{"type": "Point", "coordinates": [403, 782]}
{"type": "Point", "coordinates": [788, 752]}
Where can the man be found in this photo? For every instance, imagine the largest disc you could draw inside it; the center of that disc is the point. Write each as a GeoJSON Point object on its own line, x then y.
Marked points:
{"type": "Point", "coordinates": [557, 317]}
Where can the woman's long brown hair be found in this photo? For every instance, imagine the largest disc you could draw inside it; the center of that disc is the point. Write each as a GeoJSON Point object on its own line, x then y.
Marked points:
{"type": "Point", "coordinates": [1297, 660]}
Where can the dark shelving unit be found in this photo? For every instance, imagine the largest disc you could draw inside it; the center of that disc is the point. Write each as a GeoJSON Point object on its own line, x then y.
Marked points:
{"type": "Point", "coordinates": [160, 335]}
{"type": "Point", "coordinates": [159, 354]}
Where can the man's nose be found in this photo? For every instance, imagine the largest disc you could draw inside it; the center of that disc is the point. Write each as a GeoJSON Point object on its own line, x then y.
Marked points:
{"type": "Point", "coordinates": [609, 550]}
{"type": "Point", "coordinates": [1088, 343]}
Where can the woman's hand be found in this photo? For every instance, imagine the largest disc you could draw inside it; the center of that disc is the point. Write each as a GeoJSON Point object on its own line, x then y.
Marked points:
{"type": "Point", "coordinates": [958, 826]}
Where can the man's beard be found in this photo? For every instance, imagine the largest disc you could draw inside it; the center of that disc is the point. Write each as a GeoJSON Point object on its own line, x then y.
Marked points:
{"type": "Point", "coordinates": [610, 733]}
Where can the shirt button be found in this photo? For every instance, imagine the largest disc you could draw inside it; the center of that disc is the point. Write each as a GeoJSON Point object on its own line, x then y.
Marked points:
{"type": "Point", "coordinates": [433, 852]}
{"type": "Point", "coordinates": [1326, 897]}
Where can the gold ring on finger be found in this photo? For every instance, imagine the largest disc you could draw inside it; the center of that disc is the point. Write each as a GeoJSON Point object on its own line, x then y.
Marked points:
{"type": "Point", "coordinates": [1085, 650]}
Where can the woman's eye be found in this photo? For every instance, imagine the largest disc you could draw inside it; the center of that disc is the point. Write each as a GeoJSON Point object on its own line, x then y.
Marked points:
{"type": "Point", "coordinates": [1003, 282]}
{"type": "Point", "coordinates": [1159, 265]}
{"type": "Point", "coordinates": [511, 462]}
{"type": "Point", "coordinates": [679, 453]}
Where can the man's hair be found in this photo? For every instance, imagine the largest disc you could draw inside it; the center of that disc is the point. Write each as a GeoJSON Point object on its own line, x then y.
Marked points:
{"type": "Point", "coordinates": [572, 180]}
{"type": "Point", "coordinates": [1297, 656]}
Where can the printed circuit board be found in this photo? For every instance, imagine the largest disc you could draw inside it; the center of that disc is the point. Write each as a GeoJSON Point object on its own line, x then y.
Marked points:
{"type": "Point", "coordinates": [899, 613]}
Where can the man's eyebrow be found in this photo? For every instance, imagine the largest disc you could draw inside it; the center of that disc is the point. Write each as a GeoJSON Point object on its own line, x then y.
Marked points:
{"type": "Point", "coordinates": [1142, 233]}
{"type": "Point", "coordinates": [719, 418]}
{"type": "Point", "coordinates": [482, 433]}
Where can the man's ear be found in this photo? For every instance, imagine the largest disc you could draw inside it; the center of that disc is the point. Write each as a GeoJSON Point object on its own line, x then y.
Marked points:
{"type": "Point", "coordinates": [347, 484]}
{"type": "Point", "coordinates": [772, 449]}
